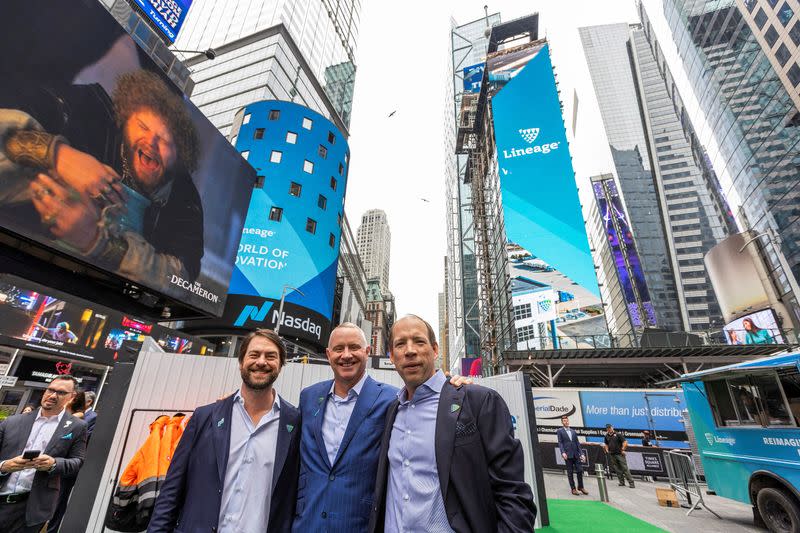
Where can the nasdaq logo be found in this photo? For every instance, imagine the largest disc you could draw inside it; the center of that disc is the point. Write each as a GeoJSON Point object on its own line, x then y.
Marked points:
{"type": "Point", "coordinates": [251, 312]}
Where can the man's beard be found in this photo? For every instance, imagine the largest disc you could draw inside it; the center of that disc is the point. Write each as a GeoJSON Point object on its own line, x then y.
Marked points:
{"type": "Point", "coordinates": [258, 385]}
{"type": "Point", "coordinates": [132, 178]}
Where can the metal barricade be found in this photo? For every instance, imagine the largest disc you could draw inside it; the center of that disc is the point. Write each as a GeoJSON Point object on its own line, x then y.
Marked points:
{"type": "Point", "coordinates": [683, 480]}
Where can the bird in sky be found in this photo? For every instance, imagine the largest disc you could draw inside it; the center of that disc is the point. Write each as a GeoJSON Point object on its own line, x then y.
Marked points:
{"type": "Point", "coordinates": [392, 113]}
{"type": "Point", "coordinates": [425, 200]}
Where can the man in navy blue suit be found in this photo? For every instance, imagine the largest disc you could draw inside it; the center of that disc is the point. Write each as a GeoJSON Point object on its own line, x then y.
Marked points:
{"type": "Point", "coordinates": [572, 453]}
{"type": "Point", "coordinates": [343, 421]}
{"type": "Point", "coordinates": [236, 466]}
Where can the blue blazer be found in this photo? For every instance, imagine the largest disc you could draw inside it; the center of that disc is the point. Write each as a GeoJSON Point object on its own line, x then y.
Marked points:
{"type": "Point", "coordinates": [191, 495]}
{"type": "Point", "coordinates": [338, 497]}
{"type": "Point", "coordinates": [570, 446]}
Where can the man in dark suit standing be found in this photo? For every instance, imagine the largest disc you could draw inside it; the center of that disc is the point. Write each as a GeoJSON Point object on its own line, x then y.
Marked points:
{"type": "Point", "coordinates": [572, 454]}
{"type": "Point", "coordinates": [29, 488]}
{"type": "Point", "coordinates": [236, 465]}
{"type": "Point", "coordinates": [449, 460]}
{"type": "Point", "coordinates": [343, 423]}
{"type": "Point", "coordinates": [89, 416]}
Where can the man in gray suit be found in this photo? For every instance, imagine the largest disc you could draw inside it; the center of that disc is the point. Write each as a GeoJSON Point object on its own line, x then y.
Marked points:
{"type": "Point", "coordinates": [29, 486]}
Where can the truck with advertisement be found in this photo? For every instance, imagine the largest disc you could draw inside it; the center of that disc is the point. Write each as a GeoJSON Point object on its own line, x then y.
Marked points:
{"type": "Point", "coordinates": [746, 419]}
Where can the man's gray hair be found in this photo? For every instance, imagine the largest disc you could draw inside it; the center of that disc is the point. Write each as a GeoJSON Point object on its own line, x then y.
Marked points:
{"type": "Point", "coordinates": [90, 397]}
{"type": "Point", "coordinates": [350, 325]}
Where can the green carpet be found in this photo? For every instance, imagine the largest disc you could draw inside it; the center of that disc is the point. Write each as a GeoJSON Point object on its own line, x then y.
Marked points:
{"type": "Point", "coordinates": [568, 516]}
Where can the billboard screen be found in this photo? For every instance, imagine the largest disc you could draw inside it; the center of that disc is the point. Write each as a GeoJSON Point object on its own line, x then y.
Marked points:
{"type": "Point", "coordinates": [540, 198]}
{"type": "Point", "coordinates": [290, 241]}
{"type": "Point", "coordinates": [167, 15]}
{"type": "Point", "coordinates": [44, 320]}
{"type": "Point", "coordinates": [106, 161]}
{"type": "Point", "coordinates": [760, 327]}
{"type": "Point", "coordinates": [473, 75]}
{"type": "Point", "coordinates": [471, 366]}
{"type": "Point", "coordinates": [626, 257]}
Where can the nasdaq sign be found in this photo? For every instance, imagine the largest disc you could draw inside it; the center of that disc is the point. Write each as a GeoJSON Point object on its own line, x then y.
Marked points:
{"type": "Point", "coordinates": [540, 197]}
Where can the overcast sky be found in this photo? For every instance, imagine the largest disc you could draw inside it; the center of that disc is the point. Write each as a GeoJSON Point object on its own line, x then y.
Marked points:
{"type": "Point", "coordinates": [398, 162]}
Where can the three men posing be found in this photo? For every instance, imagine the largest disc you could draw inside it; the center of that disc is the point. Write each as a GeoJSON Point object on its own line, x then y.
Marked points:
{"type": "Point", "coordinates": [470, 477]}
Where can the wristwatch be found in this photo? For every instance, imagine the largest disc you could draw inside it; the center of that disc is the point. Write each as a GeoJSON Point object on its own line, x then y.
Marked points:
{"type": "Point", "coordinates": [33, 148]}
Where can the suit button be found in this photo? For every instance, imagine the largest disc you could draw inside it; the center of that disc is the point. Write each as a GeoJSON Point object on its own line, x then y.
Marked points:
{"type": "Point", "coordinates": [331, 477]}
{"type": "Point", "coordinates": [324, 514]}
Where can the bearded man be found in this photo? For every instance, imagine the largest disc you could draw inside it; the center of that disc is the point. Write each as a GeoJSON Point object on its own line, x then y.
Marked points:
{"type": "Point", "coordinates": [107, 179]}
{"type": "Point", "coordinates": [237, 463]}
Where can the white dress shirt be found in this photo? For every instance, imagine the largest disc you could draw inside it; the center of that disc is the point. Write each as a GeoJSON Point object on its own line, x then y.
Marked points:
{"type": "Point", "coordinates": [38, 439]}
{"type": "Point", "coordinates": [247, 490]}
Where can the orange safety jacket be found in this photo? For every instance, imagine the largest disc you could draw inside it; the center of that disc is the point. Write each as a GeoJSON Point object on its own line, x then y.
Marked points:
{"type": "Point", "coordinates": [140, 482]}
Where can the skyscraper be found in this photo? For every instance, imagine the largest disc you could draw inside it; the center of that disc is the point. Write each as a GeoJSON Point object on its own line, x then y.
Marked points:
{"type": "Point", "coordinates": [301, 51]}
{"type": "Point", "coordinates": [742, 65]}
{"type": "Point", "coordinates": [675, 212]}
{"type": "Point", "coordinates": [468, 45]}
{"type": "Point", "coordinates": [374, 241]}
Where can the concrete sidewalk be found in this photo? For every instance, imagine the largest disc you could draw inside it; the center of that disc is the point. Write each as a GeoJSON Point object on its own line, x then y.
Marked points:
{"type": "Point", "coordinates": [641, 502]}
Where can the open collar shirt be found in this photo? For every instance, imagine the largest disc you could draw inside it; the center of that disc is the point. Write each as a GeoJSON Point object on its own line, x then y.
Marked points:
{"type": "Point", "coordinates": [38, 439]}
{"type": "Point", "coordinates": [337, 415]}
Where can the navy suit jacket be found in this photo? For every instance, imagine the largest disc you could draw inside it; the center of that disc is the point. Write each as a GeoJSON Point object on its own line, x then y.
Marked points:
{"type": "Point", "coordinates": [570, 446]}
{"type": "Point", "coordinates": [480, 464]}
{"type": "Point", "coordinates": [338, 497]}
{"type": "Point", "coordinates": [190, 498]}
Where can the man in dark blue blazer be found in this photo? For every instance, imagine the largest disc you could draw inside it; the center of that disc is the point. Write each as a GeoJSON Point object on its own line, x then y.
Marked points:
{"type": "Point", "coordinates": [572, 454]}
{"type": "Point", "coordinates": [343, 421]}
{"type": "Point", "coordinates": [449, 460]}
{"type": "Point", "coordinates": [236, 465]}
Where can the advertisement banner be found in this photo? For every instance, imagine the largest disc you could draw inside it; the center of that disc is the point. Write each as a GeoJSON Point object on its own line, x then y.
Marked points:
{"type": "Point", "coordinates": [551, 404]}
{"type": "Point", "coordinates": [540, 198]}
{"type": "Point", "coordinates": [471, 366]}
{"type": "Point", "coordinates": [290, 242]}
{"type": "Point", "coordinates": [473, 75]}
{"type": "Point", "coordinates": [167, 15]}
{"type": "Point", "coordinates": [45, 370]}
{"type": "Point", "coordinates": [760, 327]}
{"type": "Point", "coordinates": [49, 322]}
{"type": "Point", "coordinates": [105, 161]}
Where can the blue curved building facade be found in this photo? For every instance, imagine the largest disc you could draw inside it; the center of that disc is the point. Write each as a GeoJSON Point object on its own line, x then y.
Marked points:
{"type": "Point", "coordinates": [292, 232]}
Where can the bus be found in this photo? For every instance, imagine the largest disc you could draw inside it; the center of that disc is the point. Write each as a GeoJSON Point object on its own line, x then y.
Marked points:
{"type": "Point", "coordinates": [746, 418]}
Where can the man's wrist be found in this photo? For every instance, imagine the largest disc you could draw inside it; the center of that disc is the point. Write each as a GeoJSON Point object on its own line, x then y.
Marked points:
{"type": "Point", "coordinates": [53, 467]}
{"type": "Point", "coordinates": [33, 148]}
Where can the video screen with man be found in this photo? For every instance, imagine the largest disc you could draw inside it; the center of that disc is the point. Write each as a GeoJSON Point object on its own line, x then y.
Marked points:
{"type": "Point", "coordinates": [104, 159]}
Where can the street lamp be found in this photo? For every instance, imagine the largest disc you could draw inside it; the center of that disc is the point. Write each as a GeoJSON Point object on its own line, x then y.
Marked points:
{"type": "Point", "coordinates": [280, 308]}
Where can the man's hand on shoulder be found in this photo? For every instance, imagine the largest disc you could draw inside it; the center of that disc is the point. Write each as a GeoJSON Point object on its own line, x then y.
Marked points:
{"type": "Point", "coordinates": [457, 381]}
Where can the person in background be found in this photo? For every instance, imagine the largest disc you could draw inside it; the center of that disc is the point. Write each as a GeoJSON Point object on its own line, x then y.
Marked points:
{"type": "Point", "coordinates": [754, 334]}
{"type": "Point", "coordinates": [28, 409]}
{"type": "Point", "coordinates": [615, 446]}
{"type": "Point", "coordinates": [646, 439]}
{"type": "Point", "coordinates": [88, 414]}
{"type": "Point", "coordinates": [29, 487]}
{"type": "Point", "coordinates": [572, 454]}
{"type": "Point", "coordinates": [75, 408]}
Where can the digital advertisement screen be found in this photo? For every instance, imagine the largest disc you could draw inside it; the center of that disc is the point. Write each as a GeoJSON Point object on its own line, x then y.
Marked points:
{"type": "Point", "coordinates": [168, 15]}
{"type": "Point", "coordinates": [620, 240]}
{"type": "Point", "coordinates": [473, 75]}
{"type": "Point", "coordinates": [471, 366]}
{"type": "Point", "coordinates": [106, 161]}
{"type": "Point", "coordinates": [540, 198]}
{"type": "Point", "coordinates": [290, 241]}
{"type": "Point", "coordinates": [760, 327]}
{"type": "Point", "coordinates": [69, 327]}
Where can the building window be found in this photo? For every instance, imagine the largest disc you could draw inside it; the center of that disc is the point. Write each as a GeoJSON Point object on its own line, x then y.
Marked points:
{"type": "Point", "coordinates": [246, 119]}
{"type": "Point", "coordinates": [291, 137]}
{"type": "Point", "coordinates": [276, 214]}
{"type": "Point", "coordinates": [260, 182]}
{"type": "Point", "coordinates": [323, 152]}
{"type": "Point", "coordinates": [347, 157]}
{"type": "Point", "coordinates": [322, 202]}
{"type": "Point", "coordinates": [331, 138]}
{"type": "Point", "coordinates": [274, 114]}
{"type": "Point", "coordinates": [794, 33]}
{"type": "Point", "coordinates": [526, 333]}
{"type": "Point", "coordinates": [331, 240]}
{"type": "Point", "coordinates": [339, 219]}
{"type": "Point", "coordinates": [259, 134]}
{"type": "Point", "coordinates": [246, 154]}
{"type": "Point", "coordinates": [773, 3]}
{"type": "Point", "coordinates": [275, 156]}
{"type": "Point", "coordinates": [311, 225]}
{"type": "Point", "coordinates": [333, 183]}
{"type": "Point", "coordinates": [760, 18]}
{"type": "Point", "coordinates": [341, 169]}
{"type": "Point", "coordinates": [750, 4]}
{"type": "Point", "coordinates": [307, 123]}
{"type": "Point", "coordinates": [794, 75]}
{"type": "Point", "coordinates": [785, 14]}
{"type": "Point", "coordinates": [771, 36]}
{"type": "Point", "coordinates": [308, 166]}
{"type": "Point", "coordinates": [783, 54]}
{"type": "Point", "coordinates": [295, 189]}
{"type": "Point", "coordinates": [522, 312]}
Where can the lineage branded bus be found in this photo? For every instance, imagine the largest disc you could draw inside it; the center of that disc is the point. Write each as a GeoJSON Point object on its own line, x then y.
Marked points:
{"type": "Point", "coordinates": [747, 421]}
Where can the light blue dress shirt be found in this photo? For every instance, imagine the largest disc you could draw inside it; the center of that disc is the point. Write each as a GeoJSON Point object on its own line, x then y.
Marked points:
{"type": "Point", "coordinates": [337, 415]}
{"type": "Point", "coordinates": [247, 491]}
{"type": "Point", "coordinates": [38, 439]}
{"type": "Point", "coordinates": [414, 500]}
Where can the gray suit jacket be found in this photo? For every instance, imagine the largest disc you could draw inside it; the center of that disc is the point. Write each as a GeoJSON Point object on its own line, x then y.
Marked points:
{"type": "Point", "coordinates": [67, 447]}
